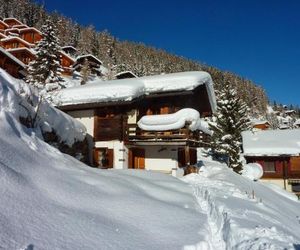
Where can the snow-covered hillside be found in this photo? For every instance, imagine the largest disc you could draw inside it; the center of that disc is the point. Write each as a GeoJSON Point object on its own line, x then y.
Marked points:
{"type": "Point", "coordinates": [51, 201]}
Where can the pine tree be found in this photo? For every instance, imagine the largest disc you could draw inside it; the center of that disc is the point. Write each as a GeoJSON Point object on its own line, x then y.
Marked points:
{"type": "Point", "coordinates": [229, 120]}
{"type": "Point", "coordinates": [44, 72]}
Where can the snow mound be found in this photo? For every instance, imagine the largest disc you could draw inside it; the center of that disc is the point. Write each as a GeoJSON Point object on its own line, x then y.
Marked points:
{"type": "Point", "coordinates": [174, 121]}
{"type": "Point", "coordinates": [281, 191]}
{"type": "Point", "coordinates": [253, 171]}
{"type": "Point", "coordinates": [50, 119]}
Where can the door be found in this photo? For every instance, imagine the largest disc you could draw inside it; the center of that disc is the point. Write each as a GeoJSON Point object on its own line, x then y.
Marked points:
{"type": "Point", "coordinates": [137, 158]}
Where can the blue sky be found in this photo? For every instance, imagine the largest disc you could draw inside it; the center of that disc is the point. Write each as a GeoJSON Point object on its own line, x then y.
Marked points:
{"type": "Point", "coordinates": [259, 40]}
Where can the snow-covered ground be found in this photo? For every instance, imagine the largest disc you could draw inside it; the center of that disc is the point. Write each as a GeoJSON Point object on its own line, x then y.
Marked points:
{"type": "Point", "coordinates": [51, 201]}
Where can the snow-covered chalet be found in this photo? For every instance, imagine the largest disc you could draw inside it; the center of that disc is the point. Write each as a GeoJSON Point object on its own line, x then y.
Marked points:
{"type": "Point", "coordinates": [152, 123]}
{"type": "Point", "coordinates": [278, 151]}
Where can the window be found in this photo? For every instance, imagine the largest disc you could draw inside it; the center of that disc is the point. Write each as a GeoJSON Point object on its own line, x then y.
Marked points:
{"type": "Point", "coordinates": [269, 167]}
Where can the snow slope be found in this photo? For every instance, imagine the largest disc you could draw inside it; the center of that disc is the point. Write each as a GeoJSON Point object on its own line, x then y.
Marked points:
{"type": "Point", "coordinates": [243, 214]}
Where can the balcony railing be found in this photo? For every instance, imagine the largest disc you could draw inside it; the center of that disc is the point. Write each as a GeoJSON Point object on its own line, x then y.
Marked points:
{"type": "Point", "coordinates": [134, 133]}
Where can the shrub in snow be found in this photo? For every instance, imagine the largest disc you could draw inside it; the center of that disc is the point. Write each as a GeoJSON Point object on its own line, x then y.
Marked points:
{"type": "Point", "coordinates": [230, 119]}
{"type": "Point", "coordinates": [253, 171]}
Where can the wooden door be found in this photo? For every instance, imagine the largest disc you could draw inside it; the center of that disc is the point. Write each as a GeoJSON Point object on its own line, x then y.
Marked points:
{"type": "Point", "coordinates": [137, 158]}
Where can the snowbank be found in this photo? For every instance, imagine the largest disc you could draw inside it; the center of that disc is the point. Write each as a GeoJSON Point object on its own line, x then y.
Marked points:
{"type": "Point", "coordinates": [67, 129]}
{"type": "Point", "coordinates": [242, 214]}
{"type": "Point", "coordinates": [174, 121]}
{"type": "Point", "coordinates": [253, 171]}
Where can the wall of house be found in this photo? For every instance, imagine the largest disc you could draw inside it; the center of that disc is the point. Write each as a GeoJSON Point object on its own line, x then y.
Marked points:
{"type": "Point", "coordinates": [161, 158]}
{"type": "Point", "coordinates": [86, 117]}
{"type": "Point", "coordinates": [278, 182]}
{"type": "Point", "coordinates": [120, 154]}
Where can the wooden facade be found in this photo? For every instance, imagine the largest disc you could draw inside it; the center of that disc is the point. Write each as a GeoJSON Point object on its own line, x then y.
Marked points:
{"type": "Point", "coordinates": [11, 64]}
{"type": "Point", "coordinates": [3, 25]}
{"type": "Point", "coordinates": [24, 55]}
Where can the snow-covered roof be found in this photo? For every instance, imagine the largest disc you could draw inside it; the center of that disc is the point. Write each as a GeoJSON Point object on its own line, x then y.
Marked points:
{"type": "Point", "coordinates": [12, 18]}
{"type": "Point", "coordinates": [126, 72]}
{"type": "Point", "coordinates": [5, 24]}
{"type": "Point", "coordinates": [297, 122]}
{"type": "Point", "coordinates": [67, 55]}
{"type": "Point", "coordinates": [22, 49]}
{"type": "Point", "coordinates": [258, 122]}
{"type": "Point", "coordinates": [20, 26]}
{"type": "Point", "coordinates": [17, 38]}
{"type": "Point", "coordinates": [29, 29]}
{"type": "Point", "coordinates": [271, 142]}
{"type": "Point", "coordinates": [16, 60]}
{"type": "Point", "coordinates": [131, 88]}
{"type": "Point", "coordinates": [88, 55]}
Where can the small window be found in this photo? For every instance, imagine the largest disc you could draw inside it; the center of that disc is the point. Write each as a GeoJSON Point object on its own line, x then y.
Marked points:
{"type": "Point", "coordinates": [269, 167]}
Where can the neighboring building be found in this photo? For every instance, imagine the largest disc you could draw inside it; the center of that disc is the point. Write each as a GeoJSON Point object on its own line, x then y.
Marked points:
{"type": "Point", "coordinates": [94, 64]}
{"type": "Point", "coordinates": [112, 112]}
{"type": "Point", "coordinates": [260, 124]}
{"type": "Point", "coordinates": [24, 54]}
{"type": "Point", "coordinates": [30, 35]}
{"type": "Point", "coordinates": [11, 21]}
{"type": "Point", "coordinates": [11, 64]}
{"type": "Point", "coordinates": [12, 42]}
{"type": "Point", "coordinates": [278, 151]}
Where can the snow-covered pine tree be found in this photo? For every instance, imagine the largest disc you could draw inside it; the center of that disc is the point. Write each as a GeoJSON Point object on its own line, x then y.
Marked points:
{"type": "Point", "coordinates": [44, 72]}
{"type": "Point", "coordinates": [229, 120]}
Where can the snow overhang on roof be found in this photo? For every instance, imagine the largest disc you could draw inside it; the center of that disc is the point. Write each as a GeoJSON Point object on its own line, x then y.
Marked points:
{"type": "Point", "coordinates": [69, 47]}
{"type": "Point", "coordinates": [271, 142]}
{"type": "Point", "coordinates": [126, 72]}
{"type": "Point", "coordinates": [17, 38]}
{"type": "Point", "coordinates": [30, 29]}
{"type": "Point", "coordinates": [132, 88]}
{"type": "Point", "coordinates": [12, 19]}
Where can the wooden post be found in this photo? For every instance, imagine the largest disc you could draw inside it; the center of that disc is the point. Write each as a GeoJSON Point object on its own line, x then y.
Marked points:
{"type": "Point", "coordinates": [187, 155]}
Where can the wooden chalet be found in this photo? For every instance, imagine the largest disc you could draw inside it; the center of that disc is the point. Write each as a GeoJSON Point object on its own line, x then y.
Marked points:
{"type": "Point", "coordinates": [111, 110]}
{"type": "Point", "coordinates": [278, 152]}
{"type": "Point", "coordinates": [260, 124]}
{"type": "Point", "coordinates": [11, 64]}
{"type": "Point", "coordinates": [30, 35]}
{"type": "Point", "coordinates": [15, 42]}
{"type": "Point", "coordinates": [24, 54]}
{"type": "Point", "coordinates": [11, 21]}
{"type": "Point", "coordinates": [94, 64]}
{"type": "Point", "coordinates": [70, 50]}
{"type": "Point", "coordinates": [66, 62]}
{"type": "Point", "coordinates": [12, 32]}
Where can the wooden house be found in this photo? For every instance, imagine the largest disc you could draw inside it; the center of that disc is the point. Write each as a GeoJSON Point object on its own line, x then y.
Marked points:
{"type": "Point", "coordinates": [11, 64]}
{"type": "Point", "coordinates": [30, 35]}
{"type": "Point", "coordinates": [11, 21]}
{"type": "Point", "coordinates": [24, 54]}
{"type": "Point", "coordinates": [125, 74]}
{"type": "Point", "coordinates": [66, 62]}
{"type": "Point", "coordinates": [70, 50]}
{"type": "Point", "coordinates": [12, 32]}
{"type": "Point", "coordinates": [15, 42]}
{"type": "Point", "coordinates": [94, 64]}
{"type": "Point", "coordinates": [278, 152]}
{"type": "Point", "coordinates": [112, 110]}
{"type": "Point", "coordinates": [260, 124]}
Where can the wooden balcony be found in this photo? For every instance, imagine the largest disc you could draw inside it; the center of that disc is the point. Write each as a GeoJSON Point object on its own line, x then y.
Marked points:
{"type": "Point", "coordinates": [133, 134]}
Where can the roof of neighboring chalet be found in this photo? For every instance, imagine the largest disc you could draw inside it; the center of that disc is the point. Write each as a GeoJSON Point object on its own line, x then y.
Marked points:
{"type": "Point", "coordinates": [69, 47]}
{"type": "Point", "coordinates": [30, 29]}
{"type": "Point", "coordinates": [5, 24]}
{"type": "Point", "coordinates": [271, 142]}
{"type": "Point", "coordinates": [78, 58]}
{"type": "Point", "coordinates": [20, 26]}
{"type": "Point", "coordinates": [31, 51]}
{"type": "Point", "coordinates": [12, 19]}
{"type": "Point", "coordinates": [2, 36]}
{"type": "Point", "coordinates": [125, 74]}
{"type": "Point", "coordinates": [67, 55]}
{"type": "Point", "coordinates": [127, 90]}
{"type": "Point", "coordinates": [17, 38]}
{"type": "Point", "coordinates": [13, 58]}
{"type": "Point", "coordinates": [259, 122]}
